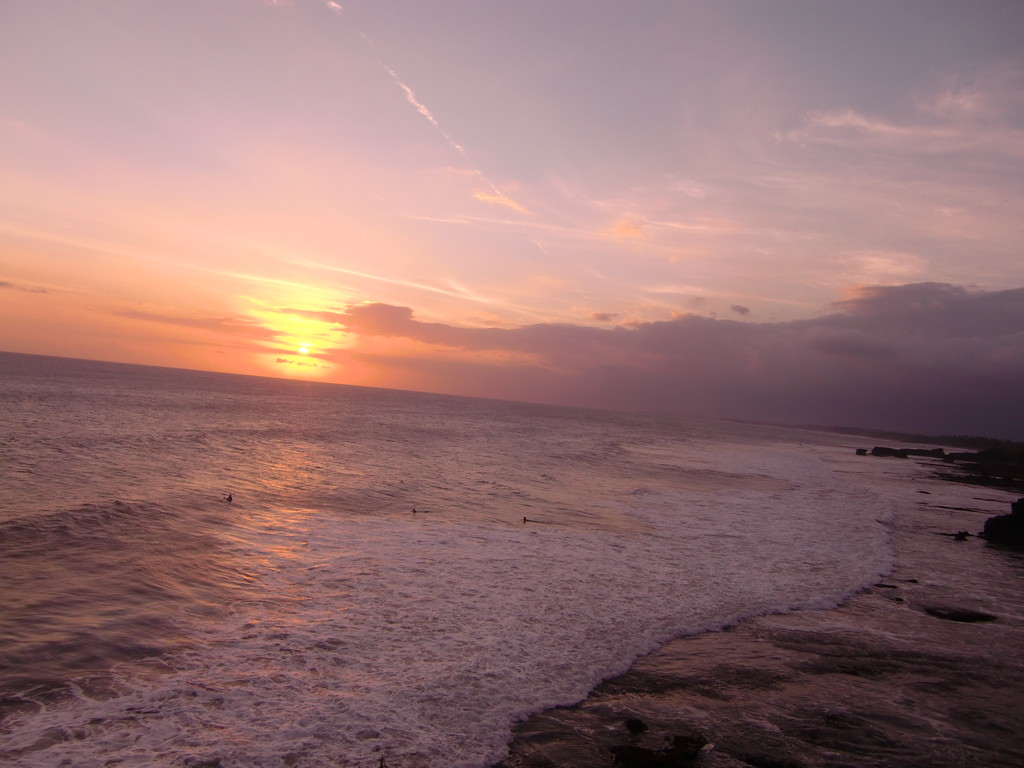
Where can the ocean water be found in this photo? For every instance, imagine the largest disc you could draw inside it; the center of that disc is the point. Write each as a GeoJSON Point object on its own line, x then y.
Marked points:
{"type": "Point", "coordinates": [317, 619]}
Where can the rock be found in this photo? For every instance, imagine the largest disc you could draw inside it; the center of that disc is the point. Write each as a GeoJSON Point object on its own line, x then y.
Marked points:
{"type": "Point", "coordinates": [1000, 467]}
{"type": "Point", "coordinates": [635, 725]}
{"type": "Point", "coordinates": [688, 746]}
{"type": "Point", "coordinates": [932, 453]}
{"type": "Point", "coordinates": [902, 453]}
{"type": "Point", "coordinates": [684, 751]}
{"type": "Point", "coordinates": [862, 451]}
{"type": "Point", "coordinates": [1007, 530]}
{"type": "Point", "coordinates": [958, 614]}
{"type": "Point", "coordinates": [881, 450]}
{"type": "Point", "coordinates": [637, 757]}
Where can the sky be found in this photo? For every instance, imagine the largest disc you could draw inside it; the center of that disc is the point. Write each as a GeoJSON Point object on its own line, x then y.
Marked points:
{"type": "Point", "coordinates": [796, 211]}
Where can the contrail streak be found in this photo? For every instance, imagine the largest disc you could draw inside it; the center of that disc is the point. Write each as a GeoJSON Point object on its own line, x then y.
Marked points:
{"type": "Point", "coordinates": [494, 196]}
{"type": "Point", "coordinates": [410, 96]}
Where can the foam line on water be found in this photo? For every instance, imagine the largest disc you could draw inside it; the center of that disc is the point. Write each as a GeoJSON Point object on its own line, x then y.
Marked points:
{"type": "Point", "coordinates": [425, 639]}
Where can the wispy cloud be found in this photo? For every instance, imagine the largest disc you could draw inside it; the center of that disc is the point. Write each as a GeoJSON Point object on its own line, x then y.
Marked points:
{"type": "Point", "coordinates": [628, 228]}
{"type": "Point", "coordinates": [25, 288]}
{"type": "Point", "coordinates": [462, 294]}
{"type": "Point", "coordinates": [884, 267]}
{"type": "Point", "coordinates": [975, 117]}
{"type": "Point", "coordinates": [495, 197]}
{"type": "Point", "coordinates": [848, 126]}
{"type": "Point", "coordinates": [231, 325]}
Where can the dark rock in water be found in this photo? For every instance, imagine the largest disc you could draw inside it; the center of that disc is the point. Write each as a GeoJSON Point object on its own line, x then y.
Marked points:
{"type": "Point", "coordinates": [862, 451]}
{"type": "Point", "coordinates": [635, 725]}
{"type": "Point", "coordinates": [1007, 530]}
{"type": "Point", "coordinates": [932, 453]}
{"type": "Point", "coordinates": [637, 757]}
{"type": "Point", "coordinates": [905, 453]}
{"type": "Point", "coordinates": [958, 614]}
{"type": "Point", "coordinates": [998, 467]}
{"type": "Point", "coordinates": [902, 453]}
{"type": "Point", "coordinates": [881, 450]}
{"type": "Point", "coordinates": [961, 536]}
{"type": "Point", "coordinates": [683, 752]}
{"type": "Point", "coordinates": [689, 746]}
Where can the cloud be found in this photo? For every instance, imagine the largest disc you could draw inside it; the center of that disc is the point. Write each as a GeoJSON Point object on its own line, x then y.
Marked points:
{"type": "Point", "coordinates": [739, 309]}
{"type": "Point", "coordinates": [286, 361]}
{"type": "Point", "coordinates": [874, 267]}
{"type": "Point", "coordinates": [462, 294]}
{"type": "Point", "coordinates": [628, 229]}
{"type": "Point", "coordinates": [25, 288]}
{"type": "Point", "coordinates": [885, 299]}
{"type": "Point", "coordinates": [498, 198]}
{"type": "Point", "coordinates": [928, 357]}
{"type": "Point", "coordinates": [848, 123]}
{"type": "Point", "coordinates": [229, 325]}
{"type": "Point", "coordinates": [977, 117]}
{"type": "Point", "coordinates": [851, 344]}
{"type": "Point", "coordinates": [603, 317]}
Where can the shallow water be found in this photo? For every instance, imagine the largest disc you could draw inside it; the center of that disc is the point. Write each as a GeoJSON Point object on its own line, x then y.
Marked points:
{"type": "Point", "coordinates": [316, 619]}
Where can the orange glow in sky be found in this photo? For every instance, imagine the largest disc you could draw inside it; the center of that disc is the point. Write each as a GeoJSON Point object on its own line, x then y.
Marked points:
{"type": "Point", "coordinates": [228, 186]}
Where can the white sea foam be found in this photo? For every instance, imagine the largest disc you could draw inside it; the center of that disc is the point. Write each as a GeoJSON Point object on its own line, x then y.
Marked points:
{"type": "Point", "coordinates": [423, 638]}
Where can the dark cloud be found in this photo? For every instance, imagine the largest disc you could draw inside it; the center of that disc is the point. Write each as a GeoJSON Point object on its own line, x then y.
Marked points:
{"type": "Point", "coordinates": [926, 357]}
{"type": "Point", "coordinates": [603, 317]}
{"type": "Point", "coordinates": [230, 325]}
{"type": "Point", "coordinates": [739, 309]}
{"type": "Point", "coordinates": [851, 343]}
{"type": "Point", "coordinates": [937, 309]}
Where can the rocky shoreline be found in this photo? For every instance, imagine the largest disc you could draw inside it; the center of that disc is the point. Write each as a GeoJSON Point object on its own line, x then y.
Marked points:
{"type": "Point", "coordinates": [1000, 467]}
{"type": "Point", "coordinates": [925, 669]}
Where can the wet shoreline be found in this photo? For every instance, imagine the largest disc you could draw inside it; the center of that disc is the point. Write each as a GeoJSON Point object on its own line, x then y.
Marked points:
{"type": "Point", "coordinates": [887, 679]}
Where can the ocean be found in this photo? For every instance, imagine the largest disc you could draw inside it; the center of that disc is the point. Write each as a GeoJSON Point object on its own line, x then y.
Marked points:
{"type": "Point", "coordinates": [398, 578]}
